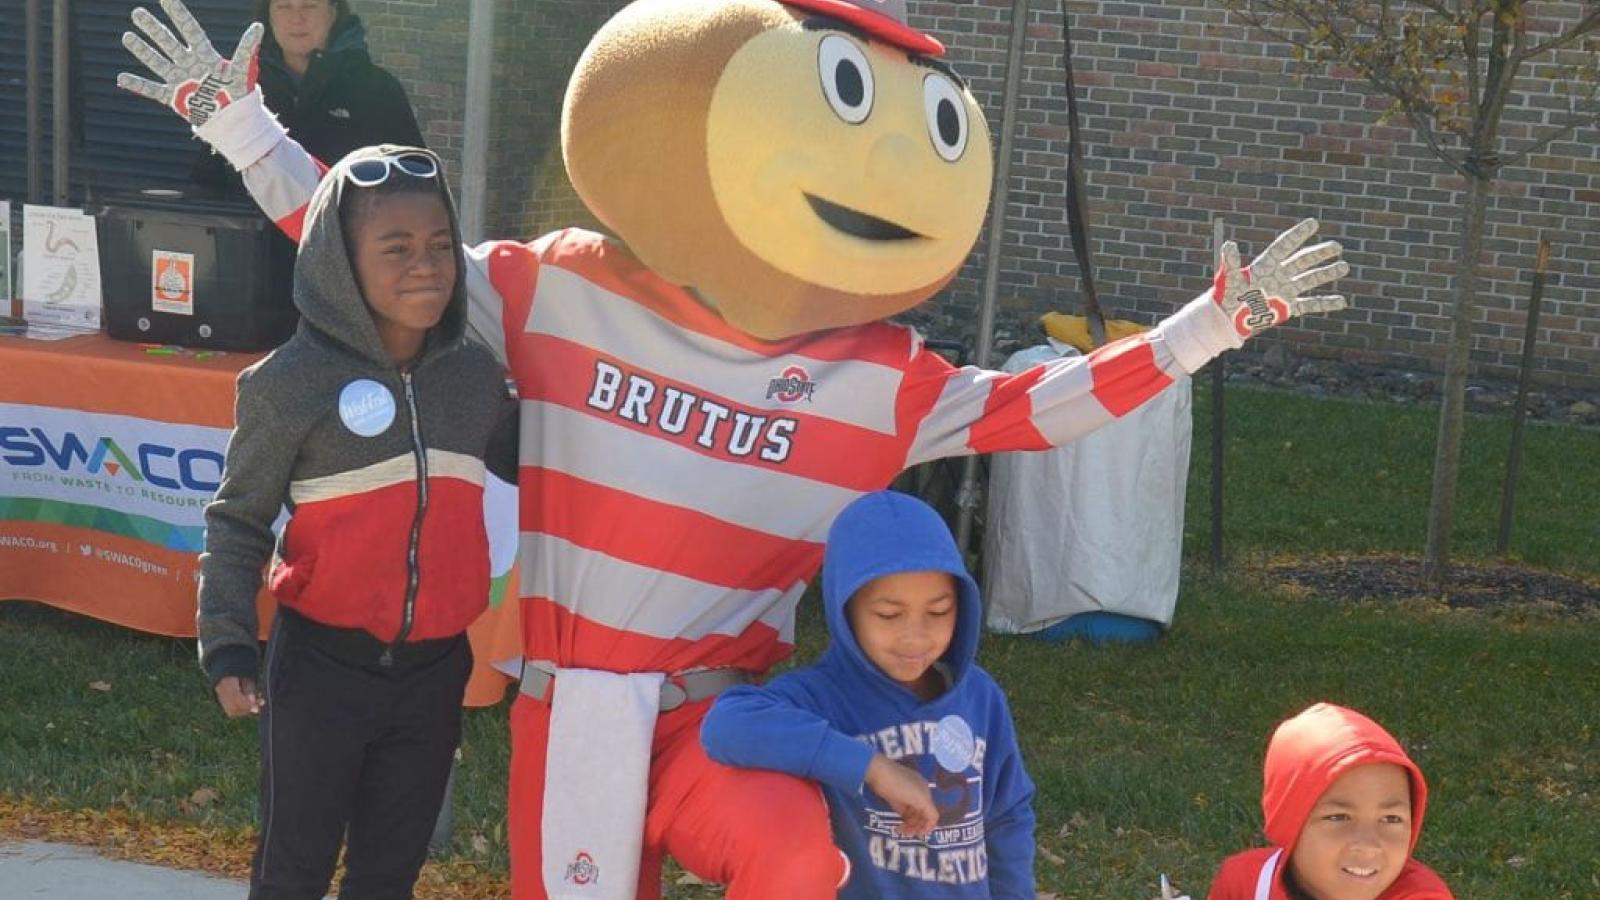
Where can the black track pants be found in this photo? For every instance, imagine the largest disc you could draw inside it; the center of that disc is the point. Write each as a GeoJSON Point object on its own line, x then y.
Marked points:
{"type": "Point", "coordinates": [352, 752]}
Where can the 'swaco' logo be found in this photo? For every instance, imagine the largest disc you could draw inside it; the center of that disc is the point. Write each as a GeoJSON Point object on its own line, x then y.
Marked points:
{"type": "Point", "coordinates": [166, 467]}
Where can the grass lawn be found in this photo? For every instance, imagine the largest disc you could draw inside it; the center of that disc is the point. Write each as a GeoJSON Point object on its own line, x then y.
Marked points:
{"type": "Point", "coordinates": [1148, 758]}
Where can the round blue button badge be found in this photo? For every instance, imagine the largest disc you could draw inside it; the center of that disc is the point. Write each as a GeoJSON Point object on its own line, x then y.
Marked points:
{"type": "Point", "coordinates": [952, 744]}
{"type": "Point", "coordinates": [366, 407]}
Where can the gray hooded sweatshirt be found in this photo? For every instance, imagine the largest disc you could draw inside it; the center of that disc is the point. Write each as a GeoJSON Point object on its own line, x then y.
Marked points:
{"type": "Point", "coordinates": [381, 470]}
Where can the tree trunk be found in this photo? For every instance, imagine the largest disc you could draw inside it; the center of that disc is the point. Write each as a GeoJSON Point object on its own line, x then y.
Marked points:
{"type": "Point", "coordinates": [1447, 454]}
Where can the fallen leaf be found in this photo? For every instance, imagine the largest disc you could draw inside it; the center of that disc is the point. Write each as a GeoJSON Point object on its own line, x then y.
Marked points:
{"type": "Point", "coordinates": [689, 878]}
{"type": "Point", "coordinates": [480, 845]}
{"type": "Point", "coordinates": [203, 797]}
{"type": "Point", "coordinates": [101, 686]}
{"type": "Point", "coordinates": [125, 834]}
{"type": "Point", "coordinates": [1054, 859]}
{"type": "Point", "coordinates": [1073, 824]}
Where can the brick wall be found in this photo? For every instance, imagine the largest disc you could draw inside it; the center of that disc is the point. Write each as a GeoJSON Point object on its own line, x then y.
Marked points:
{"type": "Point", "coordinates": [537, 45]}
{"type": "Point", "coordinates": [424, 43]}
{"type": "Point", "coordinates": [1187, 115]}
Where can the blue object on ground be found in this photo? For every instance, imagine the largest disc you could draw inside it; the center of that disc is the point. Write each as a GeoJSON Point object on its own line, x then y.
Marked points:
{"type": "Point", "coordinates": [1101, 627]}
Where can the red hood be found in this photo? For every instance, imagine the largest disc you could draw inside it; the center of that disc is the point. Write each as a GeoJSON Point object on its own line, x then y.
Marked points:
{"type": "Point", "coordinates": [1310, 751]}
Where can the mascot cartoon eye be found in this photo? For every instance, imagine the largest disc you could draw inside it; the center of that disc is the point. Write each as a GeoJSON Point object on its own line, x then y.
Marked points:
{"type": "Point", "coordinates": [947, 116]}
{"type": "Point", "coordinates": [846, 78]}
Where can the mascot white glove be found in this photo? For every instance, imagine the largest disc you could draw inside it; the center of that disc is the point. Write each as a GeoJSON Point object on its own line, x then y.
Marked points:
{"type": "Point", "coordinates": [196, 82]}
{"type": "Point", "coordinates": [1269, 291]}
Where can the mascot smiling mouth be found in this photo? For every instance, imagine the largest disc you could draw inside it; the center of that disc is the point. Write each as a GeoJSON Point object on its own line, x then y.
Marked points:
{"type": "Point", "coordinates": [859, 224]}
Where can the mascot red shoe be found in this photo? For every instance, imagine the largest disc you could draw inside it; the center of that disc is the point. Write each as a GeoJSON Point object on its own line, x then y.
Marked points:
{"type": "Point", "coordinates": [705, 387]}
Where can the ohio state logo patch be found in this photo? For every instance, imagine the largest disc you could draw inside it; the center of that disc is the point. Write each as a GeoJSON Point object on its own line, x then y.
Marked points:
{"type": "Point", "coordinates": [582, 869]}
{"type": "Point", "coordinates": [198, 100]}
{"type": "Point", "coordinates": [1258, 311]}
{"type": "Point", "coordinates": [791, 386]}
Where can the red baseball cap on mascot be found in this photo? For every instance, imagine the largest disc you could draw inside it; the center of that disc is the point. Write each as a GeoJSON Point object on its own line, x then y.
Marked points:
{"type": "Point", "coordinates": [882, 19]}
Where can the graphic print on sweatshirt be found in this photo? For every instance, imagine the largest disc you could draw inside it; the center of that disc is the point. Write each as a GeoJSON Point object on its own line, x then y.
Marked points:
{"type": "Point", "coordinates": [950, 759]}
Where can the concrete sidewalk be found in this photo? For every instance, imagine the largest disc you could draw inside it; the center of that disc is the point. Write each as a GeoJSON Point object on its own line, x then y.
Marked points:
{"type": "Point", "coordinates": [31, 869]}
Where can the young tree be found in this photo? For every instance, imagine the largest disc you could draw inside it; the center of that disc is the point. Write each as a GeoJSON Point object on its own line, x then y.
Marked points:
{"type": "Point", "coordinates": [1450, 68]}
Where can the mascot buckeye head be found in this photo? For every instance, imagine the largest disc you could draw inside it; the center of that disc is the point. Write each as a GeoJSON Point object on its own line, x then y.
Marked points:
{"type": "Point", "coordinates": [800, 166]}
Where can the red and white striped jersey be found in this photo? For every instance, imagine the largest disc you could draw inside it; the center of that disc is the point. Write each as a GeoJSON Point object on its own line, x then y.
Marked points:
{"type": "Point", "coordinates": [678, 477]}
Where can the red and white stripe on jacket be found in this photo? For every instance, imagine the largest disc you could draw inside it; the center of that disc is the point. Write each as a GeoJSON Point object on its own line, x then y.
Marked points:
{"type": "Point", "coordinates": [678, 477]}
{"type": "Point", "coordinates": [343, 522]}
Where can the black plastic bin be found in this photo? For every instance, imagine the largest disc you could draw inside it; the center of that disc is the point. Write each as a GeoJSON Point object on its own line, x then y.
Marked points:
{"type": "Point", "coordinates": [224, 280]}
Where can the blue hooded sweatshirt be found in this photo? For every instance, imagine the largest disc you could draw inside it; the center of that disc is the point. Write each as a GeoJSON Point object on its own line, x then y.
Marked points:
{"type": "Point", "coordinates": [825, 722]}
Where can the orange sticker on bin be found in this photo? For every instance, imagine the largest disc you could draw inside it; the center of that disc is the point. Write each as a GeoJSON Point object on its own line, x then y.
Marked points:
{"type": "Point", "coordinates": [172, 282]}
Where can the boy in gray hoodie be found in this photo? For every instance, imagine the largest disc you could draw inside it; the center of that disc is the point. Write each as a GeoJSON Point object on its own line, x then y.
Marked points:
{"type": "Point", "coordinates": [372, 426]}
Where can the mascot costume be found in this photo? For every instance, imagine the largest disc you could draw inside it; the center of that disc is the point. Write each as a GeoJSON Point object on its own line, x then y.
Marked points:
{"type": "Point", "coordinates": [706, 386]}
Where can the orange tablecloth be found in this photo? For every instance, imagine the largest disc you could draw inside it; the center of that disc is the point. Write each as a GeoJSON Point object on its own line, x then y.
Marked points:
{"type": "Point", "coordinates": [108, 453]}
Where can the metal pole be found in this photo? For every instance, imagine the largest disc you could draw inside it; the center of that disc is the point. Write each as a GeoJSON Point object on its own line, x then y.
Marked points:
{"type": "Point", "coordinates": [474, 191]}
{"type": "Point", "coordinates": [1530, 337]}
{"type": "Point", "coordinates": [61, 103]}
{"type": "Point", "coordinates": [1077, 193]}
{"type": "Point", "coordinates": [967, 496]}
{"type": "Point", "coordinates": [475, 127]}
{"type": "Point", "coordinates": [31, 79]}
{"type": "Point", "coordinates": [1218, 424]}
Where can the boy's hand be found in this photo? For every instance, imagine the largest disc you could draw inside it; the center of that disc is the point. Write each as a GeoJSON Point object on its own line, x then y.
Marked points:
{"type": "Point", "coordinates": [196, 81]}
{"type": "Point", "coordinates": [906, 792]}
{"type": "Point", "coordinates": [1268, 291]}
{"type": "Point", "coordinates": [238, 697]}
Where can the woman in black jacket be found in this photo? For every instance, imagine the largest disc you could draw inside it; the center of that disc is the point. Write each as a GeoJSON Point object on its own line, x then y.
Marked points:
{"type": "Point", "coordinates": [316, 75]}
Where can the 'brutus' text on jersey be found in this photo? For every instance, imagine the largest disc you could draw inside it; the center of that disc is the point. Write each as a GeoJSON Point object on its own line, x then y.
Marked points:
{"type": "Point", "coordinates": [674, 411]}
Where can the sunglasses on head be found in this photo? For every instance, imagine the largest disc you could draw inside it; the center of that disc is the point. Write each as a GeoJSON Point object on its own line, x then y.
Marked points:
{"type": "Point", "coordinates": [375, 171]}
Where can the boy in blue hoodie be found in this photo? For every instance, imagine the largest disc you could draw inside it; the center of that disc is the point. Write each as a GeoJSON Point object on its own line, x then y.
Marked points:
{"type": "Point", "coordinates": [911, 741]}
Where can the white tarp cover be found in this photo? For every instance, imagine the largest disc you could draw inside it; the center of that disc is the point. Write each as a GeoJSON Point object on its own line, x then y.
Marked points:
{"type": "Point", "coordinates": [1094, 525]}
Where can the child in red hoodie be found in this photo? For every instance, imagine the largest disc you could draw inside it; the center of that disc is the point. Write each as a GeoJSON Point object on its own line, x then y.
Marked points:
{"type": "Point", "coordinates": [1343, 806]}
